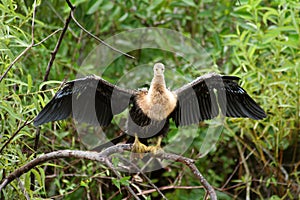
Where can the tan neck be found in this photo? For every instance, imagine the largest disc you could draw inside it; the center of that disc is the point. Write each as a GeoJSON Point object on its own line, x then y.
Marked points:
{"type": "Point", "coordinates": [158, 81]}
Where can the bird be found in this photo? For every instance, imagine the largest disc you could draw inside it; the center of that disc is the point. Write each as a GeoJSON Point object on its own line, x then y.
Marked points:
{"type": "Point", "coordinates": [94, 100]}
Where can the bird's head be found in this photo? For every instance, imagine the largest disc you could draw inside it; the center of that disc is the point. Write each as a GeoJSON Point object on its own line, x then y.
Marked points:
{"type": "Point", "coordinates": [159, 69]}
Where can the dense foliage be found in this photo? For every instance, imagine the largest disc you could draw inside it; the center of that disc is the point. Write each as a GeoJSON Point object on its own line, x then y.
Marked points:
{"type": "Point", "coordinates": [255, 40]}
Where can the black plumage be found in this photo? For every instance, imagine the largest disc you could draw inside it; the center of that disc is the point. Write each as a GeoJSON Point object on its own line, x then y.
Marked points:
{"type": "Point", "coordinates": [95, 101]}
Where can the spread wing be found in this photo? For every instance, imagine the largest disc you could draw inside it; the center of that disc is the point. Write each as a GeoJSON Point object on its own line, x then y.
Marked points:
{"type": "Point", "coordinates": [203, 98]}
{"type": "Point", "coordinates": [91, 99]}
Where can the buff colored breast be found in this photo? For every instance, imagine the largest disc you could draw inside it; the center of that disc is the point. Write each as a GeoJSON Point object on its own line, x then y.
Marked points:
{"type": "Point", "coordinates": [158, 103]}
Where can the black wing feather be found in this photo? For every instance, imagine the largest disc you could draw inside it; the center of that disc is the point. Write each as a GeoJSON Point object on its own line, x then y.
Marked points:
{"type": "Point", "coordinates": [91, 99]}
{"type": "Point", "coordinates": [213, 92]}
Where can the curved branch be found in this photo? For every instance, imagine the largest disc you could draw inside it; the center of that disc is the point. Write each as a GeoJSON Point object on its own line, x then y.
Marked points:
{"type": "Point", "coordinates": [90, 155]}
{"type": "Point", "coordinates": [92, 35]}
{"type": "Point", "coordinates": [102, 157]}
{"type": "Point", "coordinates": [191, 164]}
{"type": "Point", "coordinates": [98, 39]}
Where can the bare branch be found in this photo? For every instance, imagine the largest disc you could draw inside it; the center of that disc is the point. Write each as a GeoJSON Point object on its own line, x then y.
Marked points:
{"type": "Point", "coordinates": [190, 163]}
{"type": "Point", "coordinates": [36, 144]}
{"type": "Point", "coordinates": [27, 48]}
{"type": "Point", "coordinates": [102, 157]}
{"type": "Point", "coordinates": [70, 5]}
{"type": "Point", "coordinates": [92, 35]}
{"type": "Point", "coordinates": [14, 135]}
{"type": "Point", "coordinates": [90, 155]}
{"type": "Point", "coordinates": [54, 52]}
{"type": "Point", "coordinates": [236, 168]}
{"type": "Point", "coordinates": [144, 175]}
{"type": "Point", "coordinates": [46, 38]}
{"type": "Point", "coordinates": [169, 187]}
{"type": "Point", "coordinates": [248, 174]}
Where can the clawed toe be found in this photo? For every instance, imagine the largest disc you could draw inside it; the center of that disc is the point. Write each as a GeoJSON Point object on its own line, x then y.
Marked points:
{"type": "Point", "coordinates": [155, 149]}
{"type": "Point", "coordinates": [140, 148]}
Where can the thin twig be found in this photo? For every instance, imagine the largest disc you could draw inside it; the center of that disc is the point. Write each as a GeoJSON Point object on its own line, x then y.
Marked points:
{"type": "Point", "coordinates": [36, 144]}
{"type": "Point", "coordinates": [46, 38]}
{"type": "Point", "coordinates": [236, 168]}
{"type": "Point", "coordinates": [109, 164]}
{"type": "Point", "coordinates": [70, 5]}
{"type": "Point", "coordinates": [248, 176]}
{"type": "Point", "coordinates": [282, 169]}
{"type": "Point", "coordinates": [14, 135]}
{"type": "Point", "coordinates": [23, 189]}
{"type": "Point", "coordinates": [58, 14]}
{"type": "Point", "coordinates": [190, 163]}
{"type": "Point", "coordinates": [27, 48]}
{"type": "Point", "coordinates": [98, 39]}
{"type": "Point", "coordinates": [144, 175]}
{"type": "Point", "coordinates": [169, 187]}
{"type": "Point", "coordinates": [54, 52]}
{"type": "Point", "coordinates": [92, 35]}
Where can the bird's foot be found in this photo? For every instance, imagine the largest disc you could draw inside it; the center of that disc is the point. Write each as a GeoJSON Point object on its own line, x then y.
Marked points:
{"type": "Point", "coordinates": [139, 148]}
{"type": "Point", "coordinates": [155, 149]}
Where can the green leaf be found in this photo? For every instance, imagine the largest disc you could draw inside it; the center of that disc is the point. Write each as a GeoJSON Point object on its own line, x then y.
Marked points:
{"type": "Point", "coordinates": [125, 180]}
{"type": "Point", "coordinates": [117, 183]}
{"type": "Point", "coordinates": [115, 161]}
{"type": "Point", "coordinates": [29, 83]}
{"type": "Point", "coordinates": [43, 177]}
{"type": "Point", "coordinates": [189, 3]}
{"type": "Point", "coordinates": [27, 181]}
{"type": "Point", "coordinates": [94, 7]}
{"type": "Point", "coordinates": [283, 69]}
{"type": "Point", "coordinates": [156, 5]}
{"type": "Point", "coordinates": [37, 176]}
{"type": "Point", "coordinates": [271, 15]}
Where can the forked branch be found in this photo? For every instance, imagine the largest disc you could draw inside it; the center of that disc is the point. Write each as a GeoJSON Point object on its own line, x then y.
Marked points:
{"type": "Point", "coordinates": [103, 158]}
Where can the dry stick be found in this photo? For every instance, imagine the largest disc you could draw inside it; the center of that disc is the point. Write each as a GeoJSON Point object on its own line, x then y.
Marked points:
{"type": "Point", "coordinates": [98, 39]}
{"type": "Point", "coordinates": [54, 52]}
{"type": "Point", "coordinates": [282, 169]}
{"type": "Point", "coordinates": [109, 164]}
{"type": "Point", "coordinates": [171, 187]}
{"type": "Point", "coordinates": [36, 144]}
{"type": "Point", "coordinates": [70, 5]}
{"type": "Point", "coordinates": [248, 176]}
{"type": "Point", "coordinates": [46, 38]}
{"type": "Point", "coordinates": [144, 175]}
{"type": "Point", "coordinates": [102, 157]}
{"type": "Point", "coordinates": [90, 155]}
{"type": "Point", "coordinates": [14, 135]}
{"type": "Point", "coordinates": [236, 168]}
{"type": "Point", "coordinates": [27, 48]}
{"type": "Point", "coordinates": [95, 37]}
{"type": "Point", "coordinates": [190, 163]}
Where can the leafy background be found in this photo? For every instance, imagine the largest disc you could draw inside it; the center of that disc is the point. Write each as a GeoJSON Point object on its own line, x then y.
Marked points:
{"type": "Point", "coordinates": [255, 40]}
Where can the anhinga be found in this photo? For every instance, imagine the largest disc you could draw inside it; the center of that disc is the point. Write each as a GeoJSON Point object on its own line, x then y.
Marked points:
{"type": "Point", "coordinates": [150, 110]}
